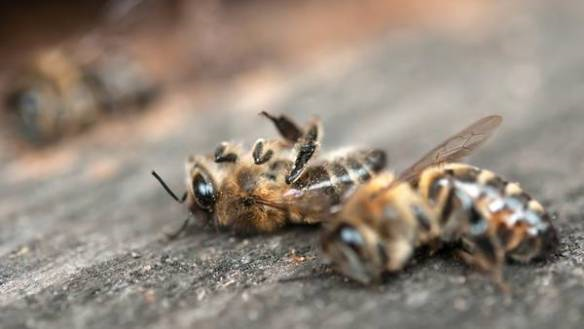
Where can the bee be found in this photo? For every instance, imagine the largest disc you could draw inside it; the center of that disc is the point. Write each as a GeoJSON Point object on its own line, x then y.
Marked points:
{"type": "Point", "coordinates": [435, 203]}
{"type": "Point", "coordinates": [58, 94]}
{"type": "Point", "coordinates": [277, 182]}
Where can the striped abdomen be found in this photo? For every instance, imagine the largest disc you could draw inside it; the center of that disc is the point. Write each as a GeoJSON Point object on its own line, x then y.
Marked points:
{"type": "Point", "coordinates": [333, 179]}
{"type": "Point", "coordinates": [488, 213]}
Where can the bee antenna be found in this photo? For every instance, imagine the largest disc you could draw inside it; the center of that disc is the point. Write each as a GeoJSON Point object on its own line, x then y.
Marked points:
{"type": "Point", "coordinates": [168, 190]}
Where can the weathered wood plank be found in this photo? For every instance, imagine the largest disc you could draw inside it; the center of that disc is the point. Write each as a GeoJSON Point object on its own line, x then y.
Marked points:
{"type": "Point", "coordinates": [81, 223]}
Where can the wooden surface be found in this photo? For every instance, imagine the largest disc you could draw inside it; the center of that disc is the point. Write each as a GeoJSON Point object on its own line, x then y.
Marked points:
{"type": "Point", "coordinates": [81, 235]}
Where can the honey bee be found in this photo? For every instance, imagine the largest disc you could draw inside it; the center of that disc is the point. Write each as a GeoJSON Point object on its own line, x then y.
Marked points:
{"type": "Point", "coordinates": [59, 95]}
{"type": "Point", "coordinates": [435, 203]}
{"type": "Point", "coordinates": [278, 182]}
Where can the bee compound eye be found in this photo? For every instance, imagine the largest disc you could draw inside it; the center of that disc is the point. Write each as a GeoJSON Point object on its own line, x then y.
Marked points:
{"type": "Point", "coordinates": [351, 237]}
{"type": "Point", "coordinates": [204, 191]}
{"type": "Point", "coordinates": [25, 103]}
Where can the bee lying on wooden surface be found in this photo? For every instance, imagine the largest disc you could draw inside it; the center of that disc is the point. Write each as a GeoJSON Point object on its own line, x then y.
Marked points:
{"type": "Point", "coordinates": [278, 182]}
{"type": "Point", "coordinates": [436, 203]}
{"type": "Point", "coordinates": [57, 94]}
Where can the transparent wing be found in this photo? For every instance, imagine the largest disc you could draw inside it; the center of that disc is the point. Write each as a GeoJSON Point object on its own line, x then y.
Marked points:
{"type": "Point", "coordinates": [455, 147]}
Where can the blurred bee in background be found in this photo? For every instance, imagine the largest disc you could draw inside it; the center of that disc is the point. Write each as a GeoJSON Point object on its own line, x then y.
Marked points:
{"type": "Point", "coordinates": [58, 95]}
{"type": "Point", "coordinates": [277, 182]}
{"type": "Point", "coordinates": [436, 203]}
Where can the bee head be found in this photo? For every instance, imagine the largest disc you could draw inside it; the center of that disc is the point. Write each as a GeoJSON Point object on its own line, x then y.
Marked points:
{"type": "Point", "coordinates": [250, 203]}
{"type": "Point", "coordinates": [201, 194]}
{"type": "Point", "coordinates": [357, 252]}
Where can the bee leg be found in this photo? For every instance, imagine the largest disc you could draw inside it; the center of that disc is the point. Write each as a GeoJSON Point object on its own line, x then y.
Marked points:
{"type": "Point", "coordinates": [307, 146]}
{"type": "Point", "coordinates": [177, 233]}
{"type": "Point", "coordinates": [286, 127]}
{"type": "Point", "coordinates": [488, 259]}
{"type": "Point", "coordinates": [435, 246]}
{"type": "Point", "coordinates": [215, 222]}
{"type": "Point", "coordinates": [226, 153]}
{"type": "Point", "coordinates": [260, 155]}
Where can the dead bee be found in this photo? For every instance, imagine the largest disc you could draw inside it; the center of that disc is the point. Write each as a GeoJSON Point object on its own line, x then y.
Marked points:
{"type": "Point", "coordinates": [58, 95]}
{"type": "Point", "coordinates": [278, 182]}
{"type": "Point", "coordinates": [49, 99]}
{"type": "Point", "coordinates": [435, 203]}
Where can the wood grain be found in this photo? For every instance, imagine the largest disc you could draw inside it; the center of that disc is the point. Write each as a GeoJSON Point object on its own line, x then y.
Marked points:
{"type": "Point", "coordinates": [81, 223]}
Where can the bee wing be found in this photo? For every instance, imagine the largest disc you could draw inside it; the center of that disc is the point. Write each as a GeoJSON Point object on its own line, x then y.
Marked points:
{"type": "Point", "coordinates": [455, 147]}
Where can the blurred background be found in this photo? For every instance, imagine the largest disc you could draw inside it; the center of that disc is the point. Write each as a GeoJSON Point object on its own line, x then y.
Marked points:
{"type": "Point", "coordinates": [95, 94]}
{"type": "Point", "coordinates": [133, 71]}
{"type": "Point", "coordinates": [57, 55]}
{"type": "Point", "coordinates": [74, 73]}
{"type": "Point", "coordinates": [217, 39]}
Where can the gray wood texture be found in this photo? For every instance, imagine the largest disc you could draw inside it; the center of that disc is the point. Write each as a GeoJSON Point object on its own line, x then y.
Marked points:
{"type": "Point", "coordinates": [81, 223]}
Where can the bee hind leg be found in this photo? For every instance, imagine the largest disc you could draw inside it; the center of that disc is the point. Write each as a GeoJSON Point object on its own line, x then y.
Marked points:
{"type": "Point", "coordinates": [177, 233]}
{"type": "Point", "coordinates": [287, 128]}
{"type": "Point", "coordinates": [306, 148]}
{"type": "Point", "coordinates": [487, 262]}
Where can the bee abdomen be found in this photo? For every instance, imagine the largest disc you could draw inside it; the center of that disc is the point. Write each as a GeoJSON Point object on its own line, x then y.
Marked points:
{"type": "Point", "coordinates": [357, 167]}
{"type": "Point", "coordinates": [316, 179]}
{"type": "Point", "coordinates": [479, 199]}
{"type": "Point", "coordinates": [375, 159]}
{"type": "Point", "coordinates": [334, 178]}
